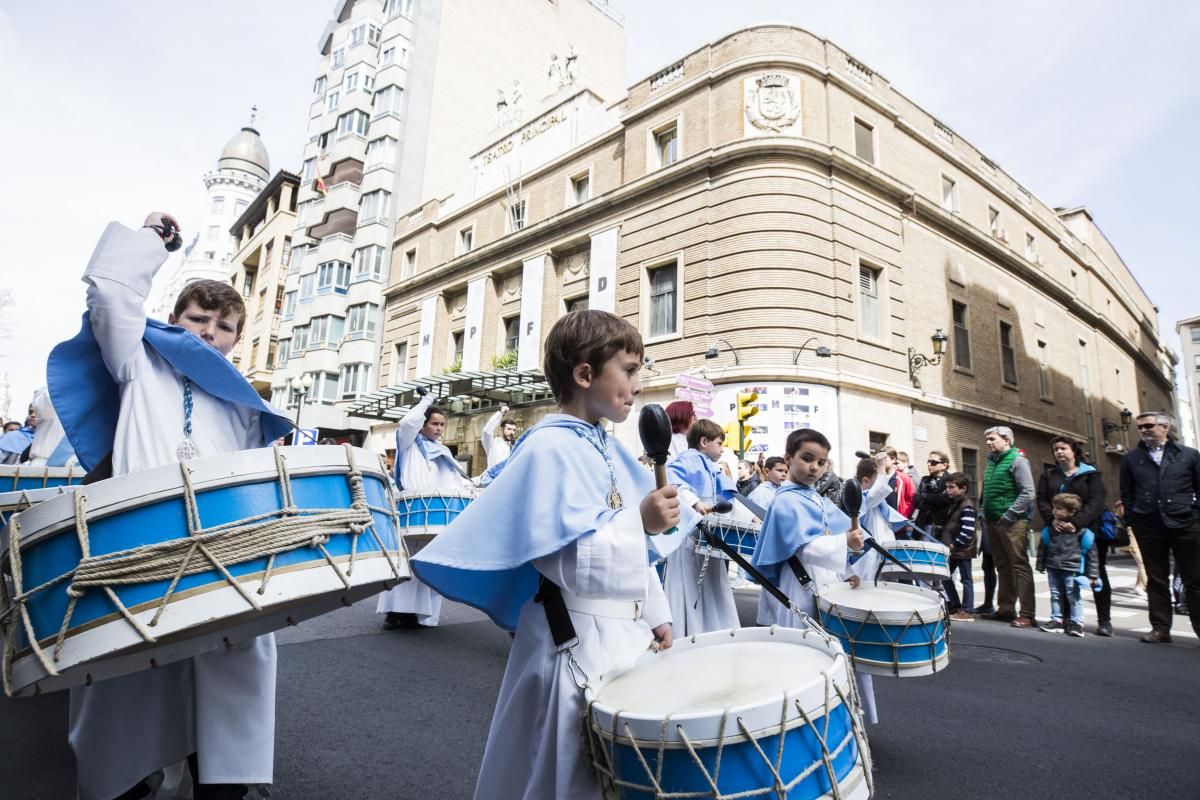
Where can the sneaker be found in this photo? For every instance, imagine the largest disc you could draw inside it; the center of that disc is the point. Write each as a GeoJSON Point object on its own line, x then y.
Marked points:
{"type": "Point", "coordinates": [1053, 626]}
{"type": "Point", "coordinates": [1104, 629]}
{"type": "Point", "coordinates": [962, 616]}
{"type": "Point", "coordinates": [1075, 630]}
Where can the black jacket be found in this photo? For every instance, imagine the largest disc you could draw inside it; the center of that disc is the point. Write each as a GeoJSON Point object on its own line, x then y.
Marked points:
{"type": "Point", "coordinates": [932, 502]}
{"type": "Point", "coordinates": [1089, 486]}
{"type": "Point", "coordinates": [1064, 553]}
{"type": "Point", "coordinates": [1166, 496]}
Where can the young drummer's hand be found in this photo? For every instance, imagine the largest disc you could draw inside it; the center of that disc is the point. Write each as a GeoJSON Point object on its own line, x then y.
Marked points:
{"type": "Point", "coordinates": [662, 636]}
{"type": "Point", "coordinates": [855, 539]}
{"type": "Point", "coordinates": [158, 217]}
{"type": "Point", "coordinates": [660, 510]}
{"type": "Point", "coordinates": [854, 581]}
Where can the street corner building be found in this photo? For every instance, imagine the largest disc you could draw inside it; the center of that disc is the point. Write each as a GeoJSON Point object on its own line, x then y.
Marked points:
{"type": "Point", "coordinates": [773, 216]}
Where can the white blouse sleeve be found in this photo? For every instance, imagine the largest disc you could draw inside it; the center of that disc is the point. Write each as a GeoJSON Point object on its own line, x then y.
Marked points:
{"type": "Point", "coordinates": [608, 563]}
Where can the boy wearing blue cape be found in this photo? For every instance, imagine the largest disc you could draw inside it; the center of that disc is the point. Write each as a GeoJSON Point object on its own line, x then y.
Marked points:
{"type": "Point", "coordinates": [145, 394]}
{"type": "Point", "coordinates": [562, 532]}
{"type": "Point", "coordinates": [700, 605]}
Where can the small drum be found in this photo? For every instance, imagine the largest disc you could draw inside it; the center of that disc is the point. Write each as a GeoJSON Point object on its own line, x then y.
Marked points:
{"type": "Point", "coordinates": [423, 515]}
{"type": "Point", "coordinates": [929, 561]}
{"type": "Point", "coordinates": [751, 712]}
{"type": "Point", "coordinates": [741, 538]}
{"type": "Point", "coordinates": [151, 567]}
{"type": "Point", "coordinates": [15, 477]}
{"type": "Point", "coordinates": [12, 502]}
{"type": "Point", "coordinates": [888, 628]}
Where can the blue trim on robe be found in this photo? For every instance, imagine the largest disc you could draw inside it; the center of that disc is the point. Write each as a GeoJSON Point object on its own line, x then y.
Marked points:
{"type": "Point", "coordinates": [793, 520]}
{"type": "Point", "coordinates": [88, 399]}
{"type": "Point", "coordinates": [17, 441]}
{"type": "Point", "coordinates": [551, 490]}
{"type": "Point", "coordinates": [432, 452]}
{"type": "Point", "coordinates": [702, 475]}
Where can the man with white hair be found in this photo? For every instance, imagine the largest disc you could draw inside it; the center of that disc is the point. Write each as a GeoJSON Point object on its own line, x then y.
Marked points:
{"type": "Point", "coordinates": [1160, 489]}
{"type": "Point", "coordinates": [1008, 494]}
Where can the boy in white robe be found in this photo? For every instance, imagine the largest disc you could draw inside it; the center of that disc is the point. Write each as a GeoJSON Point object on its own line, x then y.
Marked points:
{"type": "Point", "coordinates": [217, 710]}
{"type": "Point", "coordinates": [878, 519]}
{"type": "Point", "coordinates": [700, 604]}
{"type": "Point", "coordinates": [566, 516]}
{"type": "Point", "coordinates": [777, 473]}
{"type": "Point", "coordinates": [423, 464]}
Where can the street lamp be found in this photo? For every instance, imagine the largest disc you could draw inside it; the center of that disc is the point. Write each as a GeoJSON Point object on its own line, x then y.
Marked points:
{"type": "Point", "coordinates": [917, 361]}
{"type": "Point", "coordinates": [714, 350]}
{"type": "Point", "coordinates": [821, 350]}
{"type": "Point", "coordinates": [300, 385]}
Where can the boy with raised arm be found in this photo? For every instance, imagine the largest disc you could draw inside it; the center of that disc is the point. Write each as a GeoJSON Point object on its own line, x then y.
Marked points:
{"type": "Point", "coordinates": [561, 533]}
{"type": "Point", "coordinates": [145, 394]}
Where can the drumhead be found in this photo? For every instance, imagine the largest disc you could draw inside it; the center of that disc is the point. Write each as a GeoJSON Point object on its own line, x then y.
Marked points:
{"type": "Point", "coordinates": [874, 598]}
{"type": "Point", "coordinates": [891, 604]}
{"type": "Point", "coordinates": [908, 544]}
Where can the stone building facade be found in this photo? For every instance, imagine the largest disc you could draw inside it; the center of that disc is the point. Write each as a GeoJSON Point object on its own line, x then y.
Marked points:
{"type": "Point", "coordinates": [1189, 392]}
{"type": "Point", "coordinates": [766, 195]}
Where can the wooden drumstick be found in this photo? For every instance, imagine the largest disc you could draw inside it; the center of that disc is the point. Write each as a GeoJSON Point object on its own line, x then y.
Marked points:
{"type": "Point", "coordinates": [654, 428]}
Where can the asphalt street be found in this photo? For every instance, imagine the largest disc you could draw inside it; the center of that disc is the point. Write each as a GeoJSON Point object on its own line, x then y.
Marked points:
{"type": "Point", "coordinates": [366, 713]}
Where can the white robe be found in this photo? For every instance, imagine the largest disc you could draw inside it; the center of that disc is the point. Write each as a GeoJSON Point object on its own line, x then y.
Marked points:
{"type": "Point", "coordinates": [495, 447]}
{"type": "Point", "coordinates": [418, 475]}
{"type": "Point", "coordinates": [220, 705]}
{"type": "Point", "coordinates": [534, 747]}
{"type": "Point", "coordinates": [698, 605]}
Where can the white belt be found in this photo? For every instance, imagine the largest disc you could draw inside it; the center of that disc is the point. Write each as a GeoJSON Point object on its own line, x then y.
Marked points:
{"type": "Point", "coordinates": [597, 607]}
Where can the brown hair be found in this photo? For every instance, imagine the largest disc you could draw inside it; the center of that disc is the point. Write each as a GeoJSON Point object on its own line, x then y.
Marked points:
{"type": "Point", "coordinates": [772, 462]}
{"type": "Point", "coordinates": [1068, 501]}
{"type": "Point", "coordinates": [212, 296]}
{"type": "Point", "coordinates": [798, 438]}
{"type": "Point", "coordinates": [867, 468]}
{"type": "Point", "coordinates": [959, 479]}
{"type": "Point", "coordinates": [704, 429]}
{"type": "Point", "coordinates": [585, 337]}
{"type": "Point", "coordinates": [940, 456]}
{"type": "Point", "coordinates": [891, 451]}
{"type": "Point", "coordinates": [1075, 445]}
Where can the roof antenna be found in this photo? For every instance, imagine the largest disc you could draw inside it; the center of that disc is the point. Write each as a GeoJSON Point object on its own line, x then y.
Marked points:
{"type": "Point", "coordinates": [253, 114]}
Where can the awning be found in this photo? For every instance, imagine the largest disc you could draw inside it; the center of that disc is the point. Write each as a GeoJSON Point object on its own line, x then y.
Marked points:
{"type": "Point", "coordinates": [458, 392]}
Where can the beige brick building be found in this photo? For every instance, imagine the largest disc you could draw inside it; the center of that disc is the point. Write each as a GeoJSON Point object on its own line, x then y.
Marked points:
{"type": "Point", "coordinates": [262, 238]}
{"type": "Point", "coordinates": [1189, 393]}
{"type": "Point", "coordinates": [763, 196]}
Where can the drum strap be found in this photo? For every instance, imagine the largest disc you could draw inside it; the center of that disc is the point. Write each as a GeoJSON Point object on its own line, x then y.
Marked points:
{"type": "Point", "coordinates": [557, 617]}
{"type": "Point", "coordinates": [799, 571]}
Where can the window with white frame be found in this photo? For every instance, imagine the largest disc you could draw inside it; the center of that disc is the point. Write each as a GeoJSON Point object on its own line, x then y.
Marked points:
{"type": "Point", "coordinates": [400, 8]}
{"type": "Point", "coordinates": [663, 299]}
{"type": "Point", "coordinates": [326, 331]}
{"type": "Point", "coordinates": [368, 262]}
{"type": "Point", "coordinates": [332, 99]}
{"type": "Point", "coordinates": [353, 122]}
{"type": "Point", "coordinates": [358, 34]}
{"type": "Point", "coordinates": [387, 55]}
{"type": "Point", "coordinates": [577, 304]}
{"type": "Point", "coordinates": [362, 318]}
{"type": "Point", "coordinates": [239, 206]}
{"type": "Point", "coordinates": [962, 335]}
{"type": "Point", "coordinates": [388, 100]}
{"type": "Point", "coordinates": [581, 188]}
{"type": "Point", "coordinates": [374, 204]}
{"type": "Point", "coordinates": [333, 275]}
{"type": "Point", "coordinates": [864, 141]}
{"type": "Point", "coordinates": [949, 195]}
{"type": "Point", "coordinates": [666, 145]}
{"type": "Point", "coordinates": [512, 333]}
{"type": "Point", "coordinates": [516, 216]}
{"type": "Point", "coordinates": [870, 302]}
{"type": "Point", "coordinates": [319, 86]}
{"type": "Point", "coordinates": [1008, 355]}
{"type": "Point", "coordinates": [354, 380]}
{"type": "Point", "coordinates": [248, 283]}
{"type": "Point", "coordinates": [994, 221]}
{"type": "Point", "coordinates": [1195, 335]}
{"type": "Point", "coordinates": [279, 396]}
{"type": "Point", "coordinates": [350, 81]}
{"type": "Point", "coordinates": [410, 263]}
{"type": "Point", "coordinates": [282, 353]}
{"type": "Point", "coordinates": [457, 338]}
{"type": "Point", "coordinates": [218, 205]}
{"type": "Point", "coordinates": [466, 240]}
{"type": "Point", "coordinates": [285, 255]}
{"type": "Point", "coordinates": [289, 304]}
{"type": "Point", "coordinates": [297, 258]}
{"type": "Point", "coordinates": [399, 369]}
{"type": "Point", "coordinates": [1043, 371]}
{"type": "Point", "coordinates": [214, 232]}
{"type": "Point", "coordinates": [324, 388]}
{"type": "Point", "coordinates": [308, 286]}
{"type": "Point", "coordinates": [372, 34]}
{"type": "Point", "coordinates": [309, 171]}
{"type": "Point", "coordinates": [299, 339]}
{"type": "Point", "coordinates": [324, 142]}
{"type": "Point", "coordinates": [337, 57]}
{"type": "Point", "coordinates": [368, 83]}
{"type": "Point", "coordinates": [381, 151]}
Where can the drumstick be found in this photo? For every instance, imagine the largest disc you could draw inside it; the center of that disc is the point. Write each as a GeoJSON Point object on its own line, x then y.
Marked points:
{"type": "Point", "coordinates": [852, 501]}
{"type": "Point", "coordinates": [654, 428]}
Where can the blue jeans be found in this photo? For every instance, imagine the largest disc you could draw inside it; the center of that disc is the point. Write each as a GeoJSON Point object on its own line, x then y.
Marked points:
{"type": "Point", "coordinates": [963, 567]}
{"type": "Point", "coordinates": [1063, 587]}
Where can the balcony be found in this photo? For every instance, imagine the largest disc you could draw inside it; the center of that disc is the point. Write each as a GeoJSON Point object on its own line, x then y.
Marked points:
{"type": "Point", "coordinates": [342, 220]}
{"type": "Point", "coordinates": [335, 247]}
{"type": "Point", "coordinates": [342, 195]}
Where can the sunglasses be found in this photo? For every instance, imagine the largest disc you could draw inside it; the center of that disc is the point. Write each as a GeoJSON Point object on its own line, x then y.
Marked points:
{"type": "Point", "coordinates": [934, 461]}
{"type": "Point", "coordinates": [1147, 426]}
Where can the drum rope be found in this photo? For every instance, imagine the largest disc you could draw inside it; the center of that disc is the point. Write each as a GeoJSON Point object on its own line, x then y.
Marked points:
{"type": "Point", "coordinates": [896, 643]}
{"type": "Point", "coordinates": [254, 537]}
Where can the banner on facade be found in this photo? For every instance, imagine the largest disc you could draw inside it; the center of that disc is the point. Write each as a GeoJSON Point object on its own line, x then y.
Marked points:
{"type": "Point", "coordinates": [602, 271]}
{"type": "Point", "coordinates": [425, 336]}
{"type": "Point", "coordinates": [529, 345]}
{"type": "Point", "coordinates": [473, 333]}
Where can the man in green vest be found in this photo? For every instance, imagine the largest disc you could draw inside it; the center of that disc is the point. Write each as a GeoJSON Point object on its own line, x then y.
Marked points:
{"type": "Point", "coordinates": [1008, 494]}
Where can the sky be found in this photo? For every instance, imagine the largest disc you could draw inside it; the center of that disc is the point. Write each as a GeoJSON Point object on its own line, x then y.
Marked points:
{"type": "Point", "coordinates": [121, 106]}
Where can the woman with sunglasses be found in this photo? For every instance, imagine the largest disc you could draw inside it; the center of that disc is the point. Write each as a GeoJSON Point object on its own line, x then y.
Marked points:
{"type": "Point", "coordinates": [932, 503]}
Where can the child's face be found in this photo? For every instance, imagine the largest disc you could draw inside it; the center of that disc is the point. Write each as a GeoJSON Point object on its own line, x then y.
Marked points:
{"type": "Point", "coordinates": [778, 473]}
{"type": "Point", "coordinates": [954, 490]}
{"type": "Point", "coordinates": [434, 427]}
{"type": "Point", "coordinates": [1063, 514]}
{"type": "Point", "coordinates": [611, 392]}
{"type": "Point", "coordinates": [214, 328]}
{"type": "Point", "coordinates": [808, 464]}
{"type": "Point", "coordinates": [713, 449]}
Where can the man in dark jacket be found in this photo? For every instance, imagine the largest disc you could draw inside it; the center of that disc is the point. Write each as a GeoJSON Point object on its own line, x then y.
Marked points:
{"type": "Point", "coordinates": [1160, 487]}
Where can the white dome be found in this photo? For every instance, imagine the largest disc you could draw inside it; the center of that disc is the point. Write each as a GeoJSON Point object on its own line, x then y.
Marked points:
{"type": "Point", "coordinates": [246, 152]}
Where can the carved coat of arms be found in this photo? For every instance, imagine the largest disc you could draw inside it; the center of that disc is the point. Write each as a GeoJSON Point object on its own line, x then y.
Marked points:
{"type": "Point", "coordinates": [773, 103]}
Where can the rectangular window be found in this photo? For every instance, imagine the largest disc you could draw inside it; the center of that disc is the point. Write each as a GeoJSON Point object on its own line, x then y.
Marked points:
{"type": "Point", "coordinates": [666, 145]}
{"type": "Point", "coordinates": [319, 86]}
{"type": "Point", "coordinates": [372, 34]}
{"type": "Point", "coordinates": [1197, 361]}
{"type": "Point", "coordinates": [358, 35]}
{"type": "Point", "coordinates": [870, 305]}
{"type": "Point", "coordinates": [381, 151]}
{"type": "Point", "coordinates": [368, 262]}
{"type": "Point", "coordinates": [410, 263]}
{"type": "Point", "coordinates": [308, 285]}
{"type": "Point", "coordinates": [374, 204]}
{"type": "Point", "coordinates": [326, 331]}
{"type": "Point", "coordinates": [388, 100]}
{"type": "Point", "coordinates": [466, 240]}
{"type": "Point", "coordinates": [970, 467]}
{"type": "Point", "coordinates": [1008, 355]}
{"type": "Point", "coordinates": [278, 299]}
{"type": "Point", "coordinates": [310, 170]}
{"type": "Point", "coordinates": [387, 56]}
{"type": "Point", "coordinates": [399, 362]}
{"type": "Point", "coordinates": [663, 308]}
{"type": "Point", "coordinates": [239, 207]}
{"type": "Point", "coordinates": [282, 353]}
{"type": "Point", "coordinates": [337, 57]}
{"type": "Point", "coordinates": [864, 141]}
{"type": "Point", "coordinates": [324, 388]}
{"type": "Point", "coordinates": [577, 304]}
{"type": "Point", "coordinates": [1030, 247]}
{"type": "Point", "coordinates": [214, 233]}
{"type": "Point", "coordinates": [949, 195]}
{"type": "Point", "coordinates": [218, 205]}
{"type": "Point", "coordinates": [354, 379]}
{"type": "Point", "coordinates": [962, 335]}
{"type": "Point", "coordinates": [353, 122]}
{"type": "Point", "coordinates": [456, 347]}
{"type": "Point", "coordinates": [333, 274]}
{"type": "Point", "coordinates": [876, 441]}
{"type": "Point", "coordinates": [1195, 335]}
{"type": "Point", "coordinates": [581, 188]}
{"type": "Point", "coordinates": [350, 82]}
{"type": "Point", "coordinates": [285, 255]}
{"type": "Point", "coordinates": [332, 99]}
{"type": "Point", "coordinates": [516, 216]}
{"type": "Point", "coordinates": [299, 339]}
{"type": "Point", "coordinates": [289, 305]}
{"type": "Point", "coordinates": [512, 333]}
{"type": "Point", "coordinates": [247, 284]}
{"type": "Point", "coordinates": [362, 318]}
{"type": "Point", "coordinates": [1043, 371]}
{"type": "Point", "coordinates": [399, 8]}
{"type": "Point", "coordinates": [994, 221]}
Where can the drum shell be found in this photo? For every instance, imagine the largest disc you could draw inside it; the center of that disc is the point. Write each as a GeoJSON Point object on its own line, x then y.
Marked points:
{"type": "Point", "coordinates": [422, 515]}
{"type": "Point", "coordinates": [741, 538]}
{"type": "Point", "coordinates": [15, 477]}
{"type": "Point", "coordinates": [12, 502]}
{"type": "Point", "coordinates": [891, 643]}
{"type": "Point", "coordinates": [204, 611]}
{"type": "Point", "coordinates": [929, 561]}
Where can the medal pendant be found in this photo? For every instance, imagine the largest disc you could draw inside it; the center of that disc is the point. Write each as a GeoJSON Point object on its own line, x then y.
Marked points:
{"type": "Point", "coordinates": [186, 450]}
{"type": "Point", "coordinates": [614, 499]}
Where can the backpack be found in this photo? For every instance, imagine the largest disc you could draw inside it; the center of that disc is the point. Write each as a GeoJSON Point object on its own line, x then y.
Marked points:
{"type": "Point", "coordinates": [1110, 532]}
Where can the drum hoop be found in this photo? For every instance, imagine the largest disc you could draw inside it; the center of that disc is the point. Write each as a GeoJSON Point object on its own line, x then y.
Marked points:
{"type": "Point", "coordinates": [415, 493]}
{"type": "Point", "coordinates": [911, 544]}
{"type": "Point", "coordinates": [14, 472]}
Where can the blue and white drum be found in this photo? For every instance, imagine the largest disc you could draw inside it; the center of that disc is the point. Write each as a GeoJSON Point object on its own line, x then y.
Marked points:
{"type": "Point", "coordinates": [751, 712]}
{"type": "Point", "coordinates": [15, 477]}
{"type": "Point", "coordinates": [929, 561]}
{"type": "Point", "coordinates": [887, 628]}
{"type": "Point", "coordinates": [741, 537]}
{"type": "Point", "coordinates": [12, 502]}
{"type": "Point", "coordinates": [147, 568]}
{"type": "Point", "coordinates": [423, 515]}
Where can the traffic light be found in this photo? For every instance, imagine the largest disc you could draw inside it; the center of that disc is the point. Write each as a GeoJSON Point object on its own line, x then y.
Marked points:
{"type": "Point", "coordinates": [744, 410]}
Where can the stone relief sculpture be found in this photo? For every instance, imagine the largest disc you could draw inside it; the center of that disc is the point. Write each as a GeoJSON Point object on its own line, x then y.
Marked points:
{"type": "Point", "coordinates": [772, 103]}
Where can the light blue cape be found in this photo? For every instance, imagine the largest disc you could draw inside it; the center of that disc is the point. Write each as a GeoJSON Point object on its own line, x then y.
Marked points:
{"type": "Point", "coordinates": [88, 399]}
{"type": "Point", "coordinates": [552, 490]}
{"type": "Point", "coordinates": [794, 519]}
{"type": "Point", "coordinates": [702, 475]}
{"type": "Point", "coordinates": [16, 441]}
